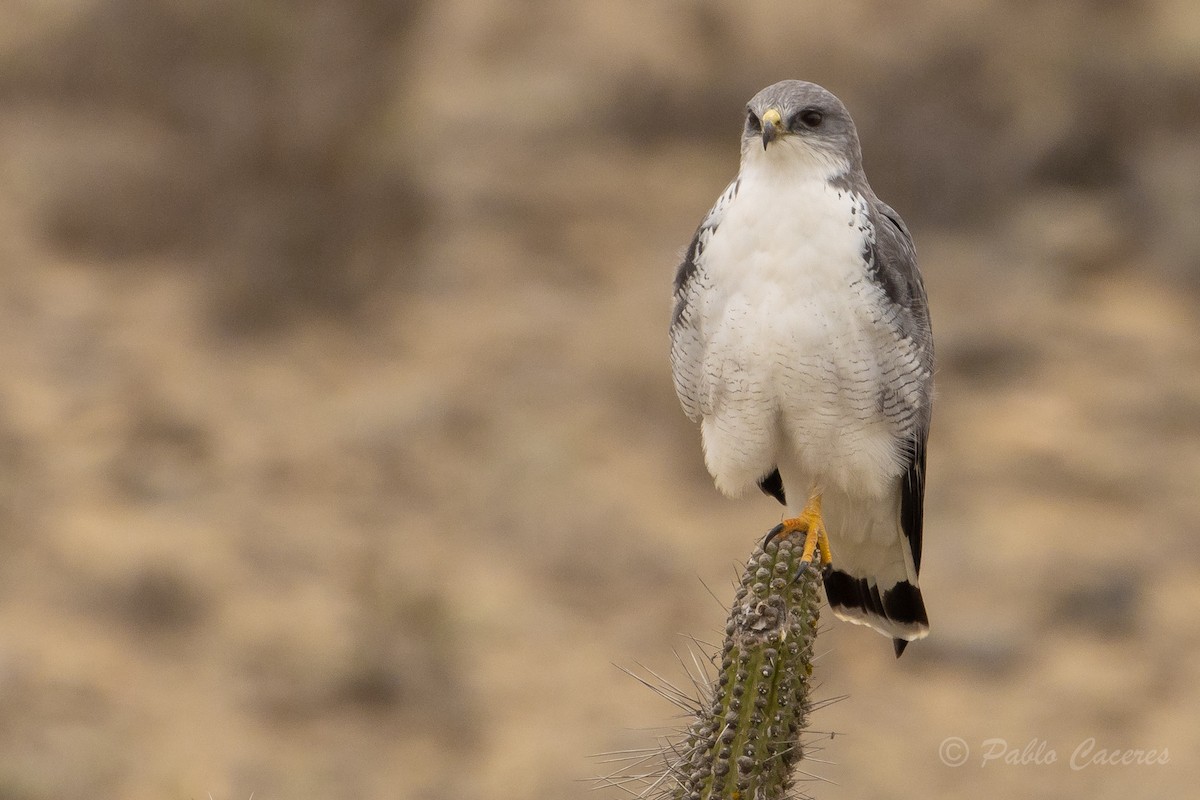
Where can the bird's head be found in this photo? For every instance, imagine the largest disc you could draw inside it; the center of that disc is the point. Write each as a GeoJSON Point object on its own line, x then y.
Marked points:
{"type": "Point", "coordinates": [800, 121]}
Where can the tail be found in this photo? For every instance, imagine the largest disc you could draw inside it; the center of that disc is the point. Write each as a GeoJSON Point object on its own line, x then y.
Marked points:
{"type": "Point", "coordinates": [873, 578]}
{"type": "Point", "coordinates": [897, 609]}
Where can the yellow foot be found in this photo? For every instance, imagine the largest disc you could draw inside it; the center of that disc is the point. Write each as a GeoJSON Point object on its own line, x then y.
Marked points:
{"type": "Point", "coordinates": [816, 541]}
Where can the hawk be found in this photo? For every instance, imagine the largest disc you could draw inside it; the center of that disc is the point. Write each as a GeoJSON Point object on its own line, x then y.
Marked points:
{"type": "Point", "coordinates": [801, 343]}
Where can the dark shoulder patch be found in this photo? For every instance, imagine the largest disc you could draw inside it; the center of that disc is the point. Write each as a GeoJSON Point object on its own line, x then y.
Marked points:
{"type": "Point", "coordinates": [891, 216]}
{"type": "Point", "coordinates": [683, 276]}
{"type": "Point", "coordinates": [891, 260]}
{"type": "Point", "coordinates": [690, 265]}
{"type": "Point", "coordinates": [687, 268]}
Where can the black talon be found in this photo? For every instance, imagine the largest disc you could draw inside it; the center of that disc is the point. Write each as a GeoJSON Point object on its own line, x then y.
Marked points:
{"type": "Point", "coordinates": [771, 534]}
{"type": "Point", "coordinates": [825, 570]}
{"type": "Point", "coordinates": [800, 570]}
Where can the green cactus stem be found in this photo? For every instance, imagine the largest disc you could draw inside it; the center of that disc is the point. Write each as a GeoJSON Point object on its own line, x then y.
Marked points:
{"type": "Point", "coordinates": [745, 743]}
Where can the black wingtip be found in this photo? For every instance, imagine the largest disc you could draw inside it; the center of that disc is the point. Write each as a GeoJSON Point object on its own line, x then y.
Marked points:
{"type": "Point", "coordinates": [899, 644]}
{"type": "Point", "coordinates": [772, 485]}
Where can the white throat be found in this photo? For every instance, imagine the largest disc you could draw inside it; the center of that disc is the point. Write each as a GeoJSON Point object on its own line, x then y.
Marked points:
{"type": "Point", "coordinates": [790, 159]}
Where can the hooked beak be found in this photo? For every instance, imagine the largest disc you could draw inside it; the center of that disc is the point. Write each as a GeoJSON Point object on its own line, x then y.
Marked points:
{"type": "Point", "coordinates": [772, 126]}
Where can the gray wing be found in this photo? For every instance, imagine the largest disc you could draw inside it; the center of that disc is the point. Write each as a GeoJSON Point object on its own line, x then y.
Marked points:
{"type": "Point", "coordinates": [688, 337]}
{"type": "Point", "coordinates": [892, 261]}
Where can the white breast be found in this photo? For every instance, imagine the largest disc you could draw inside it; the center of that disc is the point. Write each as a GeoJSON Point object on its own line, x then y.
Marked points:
{"type": "Point", "coordinates": [792, 365]}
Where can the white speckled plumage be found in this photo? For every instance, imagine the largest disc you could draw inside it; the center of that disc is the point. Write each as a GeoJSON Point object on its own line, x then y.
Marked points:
{"type": "Point", "coordinates": [801, 343]}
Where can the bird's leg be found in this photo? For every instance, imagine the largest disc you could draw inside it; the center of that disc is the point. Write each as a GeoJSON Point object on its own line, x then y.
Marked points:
{"type": "Point", "coordinates": [816, 540]}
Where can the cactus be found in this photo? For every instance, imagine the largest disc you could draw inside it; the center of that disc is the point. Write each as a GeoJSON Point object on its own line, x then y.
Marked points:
{"type": "Point", "coordinates": [746, 742]}
{"type": "Point", "coordinates": [745, 738]}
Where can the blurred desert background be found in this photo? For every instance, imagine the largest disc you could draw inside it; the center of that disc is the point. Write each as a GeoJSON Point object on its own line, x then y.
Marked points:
{"type": "Point", "coordinates": [339, 456]}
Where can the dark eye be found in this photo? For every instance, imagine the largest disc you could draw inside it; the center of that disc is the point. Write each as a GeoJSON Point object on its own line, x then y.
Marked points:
{"type": "Point", "coordinates": [808, 118]}
{"type": "Point", "coordinates": [752, 123]}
